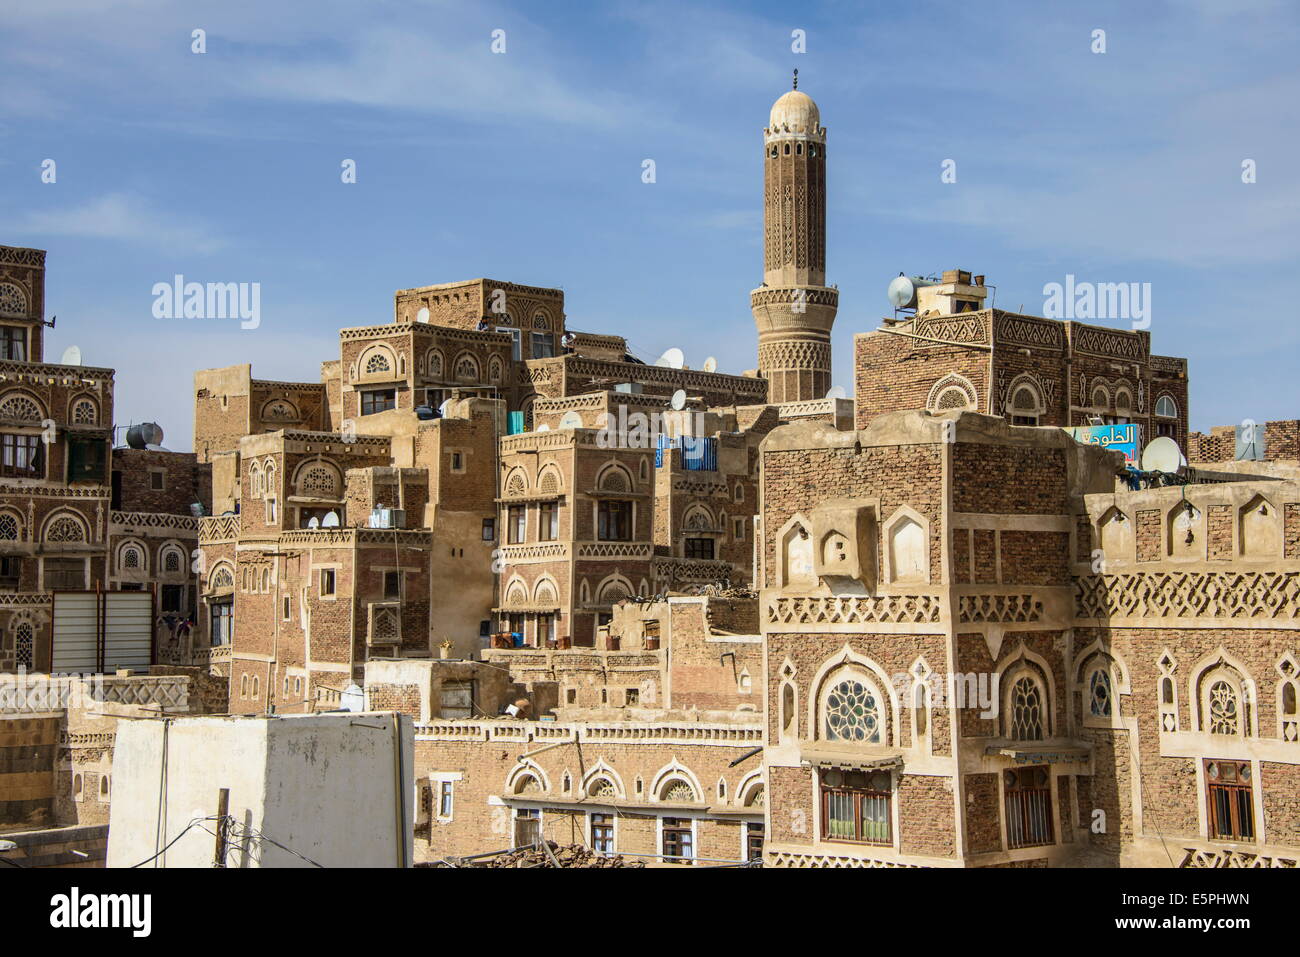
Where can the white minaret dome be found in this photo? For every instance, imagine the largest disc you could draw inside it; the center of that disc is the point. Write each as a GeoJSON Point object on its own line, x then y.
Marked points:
{"type": "Point", "coordinates": [796, 112]}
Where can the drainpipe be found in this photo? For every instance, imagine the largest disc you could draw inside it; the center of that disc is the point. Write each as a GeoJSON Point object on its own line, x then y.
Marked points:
{"type": "Point", "coordinates": [399, 789]}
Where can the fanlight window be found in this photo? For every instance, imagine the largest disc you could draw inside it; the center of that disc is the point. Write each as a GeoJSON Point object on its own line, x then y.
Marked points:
{"type": "Point", "coordinates": [378, 363]}
{"type": "Point", "coordinates": [613, 480]}
{"type": "Point", "coordinates": [318, 480]}
{"type": "Point", "coordinates": [1026, 719]}
{"type": "Point", "coordinates": [20, 407]}
{"type": "Point", "coordinates": [528, 784]}
{"type": "Point", "coordinates": [131, 558]}
{"type": "Point", "coordinates": [172, 561]}
{"type": "Point", "coordinates": [1100, 398]}
{"type": "Point", "coordinates": [83, 412]}
{"type": "Point", "coordinates": [852, 712]}
{"type": "Point", "coordinates": [65, 529]}
{"type": "Point", "coordinates": [433, 363]}
{"type": "Point", "coordinates": [953, 397]}
{"type": "Point", "coordinates": [1166, 407]}
{"type": "Point", "coordinates": [279, 409]}
{"type": "Point", "coordinates": [222, 578]}
{"type": "Point", "coordinates": [8, 527]}
{"type": "Point", "coordinates": [550, 483]}
{"type": "Point", "coordinates": [1025, 401]}
{"type": "Point", "coordinates": [12, 300]}
{"type": "Point", "coordinates": [678, 791]}
{"type": "Point", "coordinates": [601, 787]}
{"type": "Point", "coordinates": [1224, 713]}
{"type": "Point", "coordinates": [466, 368]}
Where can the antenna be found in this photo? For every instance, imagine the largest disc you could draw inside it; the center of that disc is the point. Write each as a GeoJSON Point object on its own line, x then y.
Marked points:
{"type": "Point", "coordinates": [710, 364]}
{"type": "Point", "coordinates": [72, 356]}
{"type": "Point", "coordinates": [571, 420]}
{"type": "Point", "coordinates": [678, 401]}
{"type": "Point", "coordinates": [902, 292]}
{"type": "Point", "coordinates": [837, 392]}
{"type": "Point", "coordinates": [331, 520]}
{"type": "Point", "coordinates": [422, 315]}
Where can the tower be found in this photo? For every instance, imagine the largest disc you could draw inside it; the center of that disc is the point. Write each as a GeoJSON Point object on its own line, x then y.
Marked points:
{"type": "Point", "coordinates": [794, 309]}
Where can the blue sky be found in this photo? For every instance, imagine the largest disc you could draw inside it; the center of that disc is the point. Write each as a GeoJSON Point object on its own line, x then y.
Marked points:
{"type": "Point", "coordinates": [526, 166]}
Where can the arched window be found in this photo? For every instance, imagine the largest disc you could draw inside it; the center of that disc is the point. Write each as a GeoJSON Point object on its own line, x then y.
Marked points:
{"type": "Point", "coordinates": [601, 787]}
{"type": "Point", "coordinates": [467, 367]}
{"type": "Point", "coordinates": [787, 708]}
{"type": "Point", "coordinates": [13, 302]}
{"type": "Point", "coordinates": [1223, 712]}
{"type": "Point", "coordinates": [1026, 405]}
{"type": "Point", "coordinates": [65, 528]}
{"type": "Point", "coordinates": [318, 480]}
{"type": "Point", "coordinates": [677, 790]}
{"type": "Point", "coordinates": [378, 362]}
{"type": "Point", "coordinates": [279, 410]}
{"type": "Point", "coordinates": [1025, 714]}
{"type": "Point", "coordinates": [909, 554]}
{"type": "Point", "coordinates": [10, 527]}
{"type": "Point", "coordinates": [851, 709]}
{"type": "Point", "coordinates": [21, 407]}
{"type": "Point", "coordinates": [528, 784]}
{"type": "Point", "coordinates": [222, 578]}
{"type": "Point", "coordinates": [132, 559]}
{"type": "Point", "coordinates": [1166, 407]}
{"type": "Point", "coordinates": [1100, 397]}
{"type": "Point", "coordinates": [614, 479]}
{"type": "Point", "coordinates": [84, 412]}
{"type": "Point", "coordinates": [172, 560]}
{"type": "Point", "coordinates": [1100, 693]}
{"type": "Point", "coordinates": [25, 645]}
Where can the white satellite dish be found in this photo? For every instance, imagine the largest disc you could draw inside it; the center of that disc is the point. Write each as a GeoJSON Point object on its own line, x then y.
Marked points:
{"type": "Point", "coordinates": [313, 522]}
{"type": "Point", "coordinates": [422, 315]}
{"type": "Point", "coordinates": [710, 364]}
{"type": "Point", "coordinates": [352, 698]}
{"type": "Point", "coordinates": [442, 409]}
{"type": "Point", "coordinates": [72, 356]}
{"type": "Point", "coordinates": [571, 420]}
{"type": "Point", "coordinates": [543, 428]}
{"type": "Point", "coordinates": [674, 358]}
{"type": "Point", "coordinates": [837, 392]}
{"type": "Point", "coordinates": [331, 520]}
{"type": "Point", "coordinates": [678, 401]}
{"type": "Point", "coordinates": [1162, 455]}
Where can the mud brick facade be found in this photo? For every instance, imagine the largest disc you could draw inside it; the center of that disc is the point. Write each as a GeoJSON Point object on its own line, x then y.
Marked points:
{"type": "Point", "coordinates": [1032, 370]}
{"type": "Point", "coordinates": [1117, 669]}
{"type": "Point", "coordinates": [75, 513]}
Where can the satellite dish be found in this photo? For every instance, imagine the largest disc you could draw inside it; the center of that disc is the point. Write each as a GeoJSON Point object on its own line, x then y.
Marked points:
{"type": "Point", "coordinates": [352, 698]}
{"type": "Point", "coordinates": [674, 358]}
{"type": "Point", "coordinates": [314, 522]}
{"type": "Point", "coordinates": [678, 401]}
{"type": "Point", "coordinates": [72, 356]}
{"type": "Point", "coordinates": [422, 315]}
{"type": "Point", "coordinates": [1162, 455]}
{"type": "Point", "coordinates": [542, 428]}
{"type": "Point", "coordinates": [567, 340]}
{"type": "Point", "coordinates": [571, 420]}
{"type": "Point", "coordinates": [837, 392]}
{"type": "Point", "coordinates": [442, 409]}
{"type": "Point", "coordinates": [710, 364]}
{"type": "Point", "coordinates": [331, 520]}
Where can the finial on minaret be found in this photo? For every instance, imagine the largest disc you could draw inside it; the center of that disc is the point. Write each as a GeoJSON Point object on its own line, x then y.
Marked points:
{"type": "Point", "coordinates": [796, 79]}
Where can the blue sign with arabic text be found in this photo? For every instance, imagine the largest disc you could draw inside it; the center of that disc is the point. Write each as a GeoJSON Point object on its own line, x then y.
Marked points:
{"type": "Point", "coordinates": [1118, 438]}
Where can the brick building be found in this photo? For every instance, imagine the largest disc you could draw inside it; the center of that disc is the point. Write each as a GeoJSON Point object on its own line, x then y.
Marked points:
{"type": "Point", "coordinates": [75, 513]}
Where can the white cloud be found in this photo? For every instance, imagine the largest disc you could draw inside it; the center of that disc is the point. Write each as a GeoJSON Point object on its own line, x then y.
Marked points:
{"type": "Point", "coordinates": [124, 217]}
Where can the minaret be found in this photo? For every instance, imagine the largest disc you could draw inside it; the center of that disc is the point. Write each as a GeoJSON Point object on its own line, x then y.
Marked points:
{"type": "Point", "coordinates": [794, 309]}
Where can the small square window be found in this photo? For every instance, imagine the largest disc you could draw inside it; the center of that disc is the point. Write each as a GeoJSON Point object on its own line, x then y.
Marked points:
{"type": "Point", "coordinates": [285, 607]}
{"type": "Point", "coordinates": [489, 529]}
{"type": "Point", "coordinates": [157, 481]}
{"type": "Point", "coordinates": [327, 581]}
{"type": "Point", "coordinates": [393, 585]}
{"type": "Point", "coordinates": [458, 461]}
